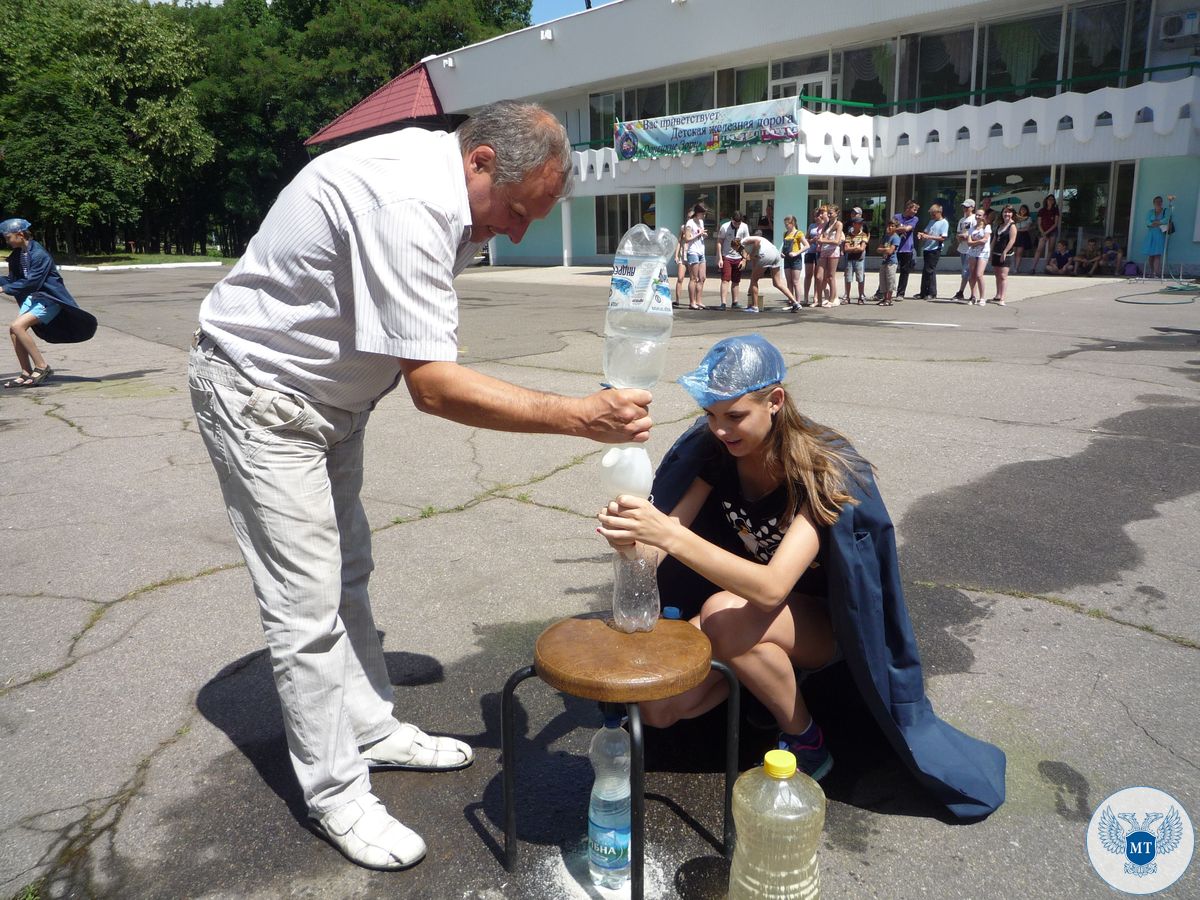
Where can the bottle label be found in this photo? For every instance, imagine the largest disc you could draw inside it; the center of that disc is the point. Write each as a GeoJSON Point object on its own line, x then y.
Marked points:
{"type": "Point", "coordinates": [640, 284]}
{"type": "Point", "coordinates": [608, 848]}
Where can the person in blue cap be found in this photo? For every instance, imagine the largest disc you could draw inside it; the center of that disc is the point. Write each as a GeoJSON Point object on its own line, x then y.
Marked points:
{"type": "Point", "coordinates": [781, 481]}
{"type": "Point", "coordinates": [34, 282]}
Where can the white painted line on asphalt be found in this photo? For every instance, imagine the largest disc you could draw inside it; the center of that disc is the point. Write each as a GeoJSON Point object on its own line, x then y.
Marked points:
{"type": "Point", "coordinates": [930, 324]}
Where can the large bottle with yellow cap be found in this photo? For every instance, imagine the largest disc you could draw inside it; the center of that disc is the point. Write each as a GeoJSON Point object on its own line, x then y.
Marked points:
{"type": "Point", "coordinates": [779, 814]}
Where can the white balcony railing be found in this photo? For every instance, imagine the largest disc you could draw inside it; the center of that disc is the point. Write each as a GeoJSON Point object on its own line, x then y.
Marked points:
{"type": "Point", "coordinates": [1153, 119]}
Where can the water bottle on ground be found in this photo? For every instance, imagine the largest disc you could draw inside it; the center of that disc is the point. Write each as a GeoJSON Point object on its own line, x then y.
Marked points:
{"type": "Point", "coordinates": [779, 813]}
{"type": "Point", "coordinates": [609, 808]}
{"type": "Point", "coordinates": [635, 588]}
{"type": "Point", "coordinates": [638, 325]}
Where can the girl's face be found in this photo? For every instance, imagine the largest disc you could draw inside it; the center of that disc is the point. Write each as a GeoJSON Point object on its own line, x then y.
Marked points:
{"type": "Point", "coordinates": [743, 424]}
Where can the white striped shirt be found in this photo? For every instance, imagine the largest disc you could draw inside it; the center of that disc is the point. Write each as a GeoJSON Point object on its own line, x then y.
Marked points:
{"type": "Point", "coordinates": [353, 268]}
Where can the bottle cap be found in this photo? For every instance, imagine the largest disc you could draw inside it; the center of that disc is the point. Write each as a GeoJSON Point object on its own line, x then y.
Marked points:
{"type": "Point", "coordinates": [614, 721]}
{"type": "Point", "coordinates": [671, 612]}
{"type": "Point", "coordinates": [779, 763]}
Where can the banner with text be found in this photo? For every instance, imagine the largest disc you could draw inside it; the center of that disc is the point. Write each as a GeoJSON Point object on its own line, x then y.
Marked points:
{"type": "Point", "coordinates": [710, 129]}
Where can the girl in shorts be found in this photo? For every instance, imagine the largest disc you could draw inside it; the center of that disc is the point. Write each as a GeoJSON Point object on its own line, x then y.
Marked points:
{"type": "Point", "coordinates": [795, 245]}
{"type": "Point", "coordinates": [762, 256]}
{"type": "Point", "coordinates": [830, 244]}
{"type": "Point", "coordinates": [782, 480]}
{"type": "Point", "coordinates": [35, 283]}
{"type": "Point", "coordinates": [813, 253]}
{"type": "Point", "coordinates": [1003, 242]}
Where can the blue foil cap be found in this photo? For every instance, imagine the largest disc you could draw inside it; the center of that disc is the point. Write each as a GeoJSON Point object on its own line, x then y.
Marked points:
{"type": "Point", "coordinates": [733, 367]}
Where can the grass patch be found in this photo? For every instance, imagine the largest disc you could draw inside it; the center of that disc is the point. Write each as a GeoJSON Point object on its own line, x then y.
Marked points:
{"type": "Point", "coordinates": [141, 259]}
{"type": "Point", "coordinates": [29, 892]}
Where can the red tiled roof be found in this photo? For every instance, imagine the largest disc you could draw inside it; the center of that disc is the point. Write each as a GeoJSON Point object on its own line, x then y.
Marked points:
{"type": "Point", "coordinates": [409, 95]}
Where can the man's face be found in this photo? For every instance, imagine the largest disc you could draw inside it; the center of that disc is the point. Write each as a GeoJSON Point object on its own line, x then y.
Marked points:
{"type": "Point", "coordinates": [15, 240]}
{"type": "Point", "coordinates": [507, 209]}
{"type": "Point", "coordinates": [912, 209]}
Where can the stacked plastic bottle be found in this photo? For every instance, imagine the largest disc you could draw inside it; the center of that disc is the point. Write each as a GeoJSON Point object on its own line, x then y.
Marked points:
{"type": "Point", "coordinates": [778, 813]}
{"type": "Point", "coordinates": [637, 329]}
{"type": "Point", "coordinates": [609, 809]}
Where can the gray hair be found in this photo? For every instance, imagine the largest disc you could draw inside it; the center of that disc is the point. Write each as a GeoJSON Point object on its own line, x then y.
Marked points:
{"type": "Point", "coordinates": [525, 136]}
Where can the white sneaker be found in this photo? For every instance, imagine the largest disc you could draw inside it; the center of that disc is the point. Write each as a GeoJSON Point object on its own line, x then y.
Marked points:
{"type": "Point", "coordinates": [364, 831]}
{"type": "Point", "coordinates": [408, 747]}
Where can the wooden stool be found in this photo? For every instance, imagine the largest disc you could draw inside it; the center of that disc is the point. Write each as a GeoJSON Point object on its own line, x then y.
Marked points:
{"type": "Point", "coordinates": [588, 658]}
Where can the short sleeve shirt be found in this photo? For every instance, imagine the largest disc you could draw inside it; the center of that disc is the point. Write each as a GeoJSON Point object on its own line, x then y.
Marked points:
{"type": "Point", "coordinates": [939, 227]}
{"type": "Point", "coordinates": [759, 524]}
{"type": "Point", "coordinates": [906, 240]}
{"type": "Point", "coordinates": [892, 240]}
{"type": "Point", "coordinates": [352, 269]}
{"type": "Point", "coordinates": [727, 234]}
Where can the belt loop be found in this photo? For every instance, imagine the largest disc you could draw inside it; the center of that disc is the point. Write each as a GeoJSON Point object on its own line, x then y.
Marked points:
{"type": "Point", "coordinates": [260, 399]}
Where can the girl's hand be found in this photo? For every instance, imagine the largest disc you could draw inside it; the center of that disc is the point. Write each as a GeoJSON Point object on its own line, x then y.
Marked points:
{"type": "Point", "coordinates": [629, 519]}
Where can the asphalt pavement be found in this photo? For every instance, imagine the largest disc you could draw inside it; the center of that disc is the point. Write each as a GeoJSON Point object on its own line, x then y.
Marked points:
{"type": "Point", "coordinates": [1041, 462]}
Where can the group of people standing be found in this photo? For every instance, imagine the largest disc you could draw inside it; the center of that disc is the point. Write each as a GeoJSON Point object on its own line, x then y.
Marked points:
{"type": "Point", "coordinates": [804, 266]}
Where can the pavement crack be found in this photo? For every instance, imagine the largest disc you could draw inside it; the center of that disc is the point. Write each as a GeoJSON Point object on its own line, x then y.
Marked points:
{"type": "Point", "coordinates": [68, 856]}
{"type": "Point", "coordinates": [97, 614]}
{"type": "Point", "coordinates": [1171, 750]}
{"type": "Point", "coordinates": [1071, 605]}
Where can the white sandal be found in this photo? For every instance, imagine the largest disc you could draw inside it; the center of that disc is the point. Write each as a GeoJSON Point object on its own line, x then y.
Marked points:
{"type": "Point", "coordinates": [408, 747]}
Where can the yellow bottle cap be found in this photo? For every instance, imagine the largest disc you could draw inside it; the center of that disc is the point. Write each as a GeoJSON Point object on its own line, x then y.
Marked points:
{"type": "Point", "coordinates": [779, 763]}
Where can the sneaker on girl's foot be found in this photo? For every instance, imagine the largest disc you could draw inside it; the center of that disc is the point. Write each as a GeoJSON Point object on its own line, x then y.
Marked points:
{"type": "Point", "coordinates": [812, 756]}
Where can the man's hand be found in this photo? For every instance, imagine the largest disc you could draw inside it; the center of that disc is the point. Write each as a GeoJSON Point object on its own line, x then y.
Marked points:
{"type": "Point", "coordinates": [617, 416]}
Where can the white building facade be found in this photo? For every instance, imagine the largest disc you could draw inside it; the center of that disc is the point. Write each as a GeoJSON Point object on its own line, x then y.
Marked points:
{"type": "Point", "coordinates": [1097, 103]}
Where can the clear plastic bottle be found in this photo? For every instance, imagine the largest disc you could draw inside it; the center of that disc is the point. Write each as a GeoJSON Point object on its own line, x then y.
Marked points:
{"type": "Point", "coordinates": [635, 588]}
{"type": "Point", "coordinates": [779, 814]}
{"type": "Point", "coordinates": [637, 327]}
{"type": "Point", "coordinates": [609, 809]}
{"type": "Point", "coordinates": [626, 469]}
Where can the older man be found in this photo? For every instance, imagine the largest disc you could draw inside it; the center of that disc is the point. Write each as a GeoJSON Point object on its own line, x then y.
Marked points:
{"type": "Point", "coordinates": [347, 288]}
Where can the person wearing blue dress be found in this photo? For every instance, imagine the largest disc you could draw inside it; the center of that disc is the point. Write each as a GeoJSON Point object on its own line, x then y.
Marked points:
{"type": "Point", "coordinates": [1155, 244]}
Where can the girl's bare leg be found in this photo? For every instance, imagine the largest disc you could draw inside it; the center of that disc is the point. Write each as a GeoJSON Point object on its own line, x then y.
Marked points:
{"type": "Point", "coordinates": [23, 343]}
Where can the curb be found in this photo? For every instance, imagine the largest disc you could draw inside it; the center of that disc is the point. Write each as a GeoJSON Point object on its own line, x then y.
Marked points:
{"type": "Point", "coordinates": [189, 265]}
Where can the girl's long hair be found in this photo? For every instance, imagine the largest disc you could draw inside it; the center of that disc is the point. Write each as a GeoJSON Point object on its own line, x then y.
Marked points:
{"type": "Point", "coordinates": [815, 462]}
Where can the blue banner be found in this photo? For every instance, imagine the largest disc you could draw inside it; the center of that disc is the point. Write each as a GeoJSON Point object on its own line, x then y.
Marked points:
{"type": "Point", "coordinates": [711, 129]}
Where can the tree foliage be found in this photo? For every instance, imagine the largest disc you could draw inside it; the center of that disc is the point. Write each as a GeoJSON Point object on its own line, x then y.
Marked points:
{"type": "Point", "coordinates": [125, 121]}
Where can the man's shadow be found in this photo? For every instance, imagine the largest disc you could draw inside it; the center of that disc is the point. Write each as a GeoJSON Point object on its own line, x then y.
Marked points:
{"type": "Point", "coordinates": [241, 701]}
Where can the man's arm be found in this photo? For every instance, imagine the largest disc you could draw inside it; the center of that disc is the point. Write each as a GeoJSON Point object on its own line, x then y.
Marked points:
{"type": "Point", "coordinates": [463, 395]}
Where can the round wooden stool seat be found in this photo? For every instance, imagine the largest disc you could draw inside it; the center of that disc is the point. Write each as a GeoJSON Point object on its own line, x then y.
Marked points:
{"type": "Point", "coordinates": [589, 658]}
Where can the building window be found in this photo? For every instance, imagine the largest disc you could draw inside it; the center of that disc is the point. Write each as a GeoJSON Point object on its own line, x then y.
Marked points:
{"type": "Point", "coordinates": [1095, 46]}
{"type": "Point", "coordinates": [944, 67]}
{"type": "Point", "coordinates": [1017, 53]}
{"type": "Point", "coordinates": [604, 110]}
{"type": "Point", "coordinates": [750, 85]}
{"type": "Point", "coordinates": [868, 75]}
{"type": "Point", "coordinates": [691, 95]}
{"type": "Point", "coordinates": [871, 195]}
{"type": "Point", "coordinates": [617, 213]}
{"type": "Point", "coordinates": [647, 102]}
{"type": "Point", "coordinates": [1085, 198]}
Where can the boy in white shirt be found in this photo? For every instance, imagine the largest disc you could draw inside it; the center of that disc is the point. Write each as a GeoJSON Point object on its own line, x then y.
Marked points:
{"type": "Point", "coordinates": [733, 231]}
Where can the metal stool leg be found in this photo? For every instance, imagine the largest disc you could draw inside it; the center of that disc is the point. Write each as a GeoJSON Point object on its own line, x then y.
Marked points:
{"type": "Point", "coordinates": [508, 763]}
{"type": "Point", "coordinates": [733, 714]}
{"type": "Point", "coordinates": [637, 791]}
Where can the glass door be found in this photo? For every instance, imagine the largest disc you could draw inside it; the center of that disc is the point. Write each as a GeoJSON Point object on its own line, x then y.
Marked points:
{"type": "Point", "coordinates": [808, 86]}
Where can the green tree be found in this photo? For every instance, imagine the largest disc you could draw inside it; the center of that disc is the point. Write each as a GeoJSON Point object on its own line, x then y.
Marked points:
{"type": "Point", "coordinates": [98, 117]}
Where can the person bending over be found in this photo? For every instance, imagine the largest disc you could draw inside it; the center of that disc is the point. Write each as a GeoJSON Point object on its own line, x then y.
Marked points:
{"type": "Point", "coordinates": [761, 256]}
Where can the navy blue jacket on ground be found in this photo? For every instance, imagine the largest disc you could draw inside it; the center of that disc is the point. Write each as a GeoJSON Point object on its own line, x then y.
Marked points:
{"type": "Point", "coordinates": [870, 620]}
{"type": "Point", "coordinates": [43, 282]}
